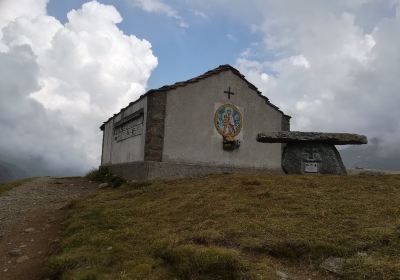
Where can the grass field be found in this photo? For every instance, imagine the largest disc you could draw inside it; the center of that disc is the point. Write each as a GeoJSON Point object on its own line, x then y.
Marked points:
{"type": "Point", "coordinates": [4, 187]}
{"type": "Point", "coordinates": [235, 227]}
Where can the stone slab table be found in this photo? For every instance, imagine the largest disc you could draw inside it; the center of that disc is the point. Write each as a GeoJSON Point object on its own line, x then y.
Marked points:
{"type": "Point", "coordinates": [312, 152]}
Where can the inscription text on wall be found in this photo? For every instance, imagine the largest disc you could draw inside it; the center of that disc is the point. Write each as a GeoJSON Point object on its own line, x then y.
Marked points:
{"type": "Point", "coordinates": [129, 126]}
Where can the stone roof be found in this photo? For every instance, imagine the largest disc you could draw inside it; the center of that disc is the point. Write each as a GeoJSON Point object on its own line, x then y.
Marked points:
{"type": "Point", "coordinates": [219, 69]}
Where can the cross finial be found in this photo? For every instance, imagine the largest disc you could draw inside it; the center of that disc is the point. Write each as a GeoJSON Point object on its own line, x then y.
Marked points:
{"type": "Point", "coordinates": [229, 92]}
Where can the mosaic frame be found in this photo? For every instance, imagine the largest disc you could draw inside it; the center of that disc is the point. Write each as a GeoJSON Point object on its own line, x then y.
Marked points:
{"type": "Point", "coordinates": [234, 109]}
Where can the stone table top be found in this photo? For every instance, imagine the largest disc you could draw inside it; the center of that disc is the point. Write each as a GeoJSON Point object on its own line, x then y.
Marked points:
{"type": "Point", "coordinates": [312, 137]}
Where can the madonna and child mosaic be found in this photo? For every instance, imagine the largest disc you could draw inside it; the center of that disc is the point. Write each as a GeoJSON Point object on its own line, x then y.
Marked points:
{"type": "Point", "coordinates": [228, 121]}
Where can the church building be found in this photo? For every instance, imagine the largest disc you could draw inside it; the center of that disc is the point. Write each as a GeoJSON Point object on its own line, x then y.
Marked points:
{"type": "Point", "coordinates": [205, 125]}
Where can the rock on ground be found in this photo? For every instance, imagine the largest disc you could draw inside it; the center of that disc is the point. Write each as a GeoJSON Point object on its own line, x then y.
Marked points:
{"type": "Point", "coordinates": [333, 265]}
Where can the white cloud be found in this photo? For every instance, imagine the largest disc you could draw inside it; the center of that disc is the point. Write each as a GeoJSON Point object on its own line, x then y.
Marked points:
{"type": "Point", "coordinates": [159, 7]}
{"type": "Point", "coordinates": [200, 14]}
{"type": "Point", "coordinates": [11, 9]}
{"type": "Point", "coordinates": [300, 60]}
{"type": "Point", "coordinates": [332, 65]}
{"type": "Point", "coordinates": [231, 37]}
{"type": "Point", "coordinates": [63, 80]}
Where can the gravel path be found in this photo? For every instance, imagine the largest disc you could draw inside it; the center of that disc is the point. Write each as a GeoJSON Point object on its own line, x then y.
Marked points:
{"type": "Point", "coordinates": [31, 218]}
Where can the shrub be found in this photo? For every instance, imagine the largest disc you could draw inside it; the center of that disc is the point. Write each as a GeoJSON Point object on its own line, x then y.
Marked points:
{"type": "Point", "coordinates": [57, 266]}
{"type": "Point", "coordinates": [104, 175]}
{"type": "Point", "coordinates": [116, 181]}
{"type": "Point", "coordinates": [208, 237]}
{"type": "Point", "coordinates": [98, 175]}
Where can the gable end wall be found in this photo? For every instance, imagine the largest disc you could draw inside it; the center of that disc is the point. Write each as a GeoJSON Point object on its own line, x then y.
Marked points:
{"type": "Point", "coordinates": [190, 135]}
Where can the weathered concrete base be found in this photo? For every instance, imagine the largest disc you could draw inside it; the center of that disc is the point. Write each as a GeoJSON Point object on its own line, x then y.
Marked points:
{"type": "Point", "coordinates": [146, 170]}
{"type": "Point", "coordinates": [309, 158]}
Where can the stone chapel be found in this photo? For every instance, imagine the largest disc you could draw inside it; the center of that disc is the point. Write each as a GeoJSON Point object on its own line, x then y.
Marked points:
{"type": "Point", "coordinates": [208, 124]}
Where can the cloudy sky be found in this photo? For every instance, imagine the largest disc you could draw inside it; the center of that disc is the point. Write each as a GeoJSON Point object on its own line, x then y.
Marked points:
{"type": "Point", "coordinates": [66, 66]}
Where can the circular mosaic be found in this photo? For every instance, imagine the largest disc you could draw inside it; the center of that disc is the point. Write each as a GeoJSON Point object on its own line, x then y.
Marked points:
{"type": "Point", "coordinates": [228, 120]}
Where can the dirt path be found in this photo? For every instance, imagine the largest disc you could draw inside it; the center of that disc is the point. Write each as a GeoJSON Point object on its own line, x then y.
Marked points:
{"type": "Point", "coordinates": [31, 218]}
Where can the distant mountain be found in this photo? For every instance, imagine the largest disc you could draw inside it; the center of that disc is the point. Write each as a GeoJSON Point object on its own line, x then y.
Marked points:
{"type": "Point", "coordinates": [9, 172]}
{"type": "Point", "coordinates": [13, 167]}
{"type": "Point", "coordinates": [370, 156]}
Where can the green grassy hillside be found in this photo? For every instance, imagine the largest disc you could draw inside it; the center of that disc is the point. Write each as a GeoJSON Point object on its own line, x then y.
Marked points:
{"type": "Point", "coordinates": [235, 227]}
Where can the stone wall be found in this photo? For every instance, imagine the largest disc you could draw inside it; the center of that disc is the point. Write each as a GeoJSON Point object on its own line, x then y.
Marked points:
{"type": "Point", "coordinates": [318, 158]}
{"type": "Point", "coordinates": [155, 121]}
{"type": "Point", "coordinates": [146, 170]}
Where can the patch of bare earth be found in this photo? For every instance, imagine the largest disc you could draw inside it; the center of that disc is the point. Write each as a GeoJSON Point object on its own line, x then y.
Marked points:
{"type": "Point", "coordinates": [31, 217]}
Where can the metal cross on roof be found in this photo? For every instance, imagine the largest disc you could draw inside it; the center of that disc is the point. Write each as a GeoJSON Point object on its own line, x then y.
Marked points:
{"type": "Point", "coordinates": [229, 92]}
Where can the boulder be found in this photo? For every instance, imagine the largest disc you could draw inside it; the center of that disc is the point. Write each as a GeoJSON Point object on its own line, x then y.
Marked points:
{"type": "Point", "coordinates": [319, 158]}
{"type": "Point", "coordinates": [22, 259]}
{"type": "Point", "coordinates": [16, 252]}
{"type": "Point", "coordinates": [333, 265]}
{"type": "Point", "coordinates": [104, 185]}
{"type": "Point", "coordinates": [28, 230]}
{"type": "Point", "coordinates": [282, 275]}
